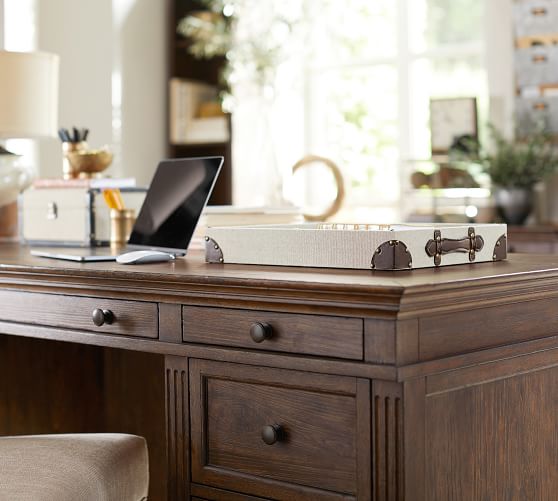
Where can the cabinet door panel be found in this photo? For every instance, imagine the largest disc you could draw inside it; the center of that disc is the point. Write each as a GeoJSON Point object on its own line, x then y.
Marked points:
{"type": "Point", "coordinates": [492, 439]}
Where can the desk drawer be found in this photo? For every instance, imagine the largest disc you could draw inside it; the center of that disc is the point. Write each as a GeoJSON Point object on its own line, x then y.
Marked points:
{"type": "Point", "coordinates": [130, 318]}
{"type": "Point", "coordinates": [533, 110]}
{"type": "Point", "coordinates": [278, 433]}
{"type": "Point", "coordinates": [535, 66]}
{"type": "Point", "coordinates": [337, 337]}
{"type": "Point", "coordinates": [535, 17]}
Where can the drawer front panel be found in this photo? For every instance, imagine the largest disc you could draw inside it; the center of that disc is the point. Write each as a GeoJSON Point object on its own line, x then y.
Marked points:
{"type": "Point", "coordinates": [130, 318]}
{"type": "Point", "coordinates": [535, 17]}
{"type": "Point", "coordinates": [536, 66]}
{"type": "Point", "coordinates": [337, 337]}
{"type": "Point", "coordinates": [314, 426]}
{"type": "Point", "coordinates": [486, 328]}
{"type": "Point", "coordinates": [530, 111]}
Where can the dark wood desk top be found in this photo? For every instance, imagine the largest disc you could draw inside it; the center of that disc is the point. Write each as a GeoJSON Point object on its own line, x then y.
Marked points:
{"type": "Point", "coordinates": [403, 291]}
{"type": "Point", "coordinates": [539, 233]}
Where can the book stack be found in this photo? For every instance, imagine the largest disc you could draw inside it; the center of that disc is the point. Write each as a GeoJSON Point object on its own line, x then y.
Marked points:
{"type": "Point", "coordinates": [195, 116]}
{"type": "Point", "coordinates": [95, 183]}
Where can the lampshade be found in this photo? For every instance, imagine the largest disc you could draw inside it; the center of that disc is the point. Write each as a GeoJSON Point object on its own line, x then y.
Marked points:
{"type": "Point", "coordinates": [28, 94]}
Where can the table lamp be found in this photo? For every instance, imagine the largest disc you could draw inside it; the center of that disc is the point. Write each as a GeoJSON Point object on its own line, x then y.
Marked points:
{"type": "Point", "coordinates": [28, 109]}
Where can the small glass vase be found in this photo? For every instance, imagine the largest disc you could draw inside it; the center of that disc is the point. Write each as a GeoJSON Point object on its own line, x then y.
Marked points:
{"type": "Point", "coordinates": [260, 180]}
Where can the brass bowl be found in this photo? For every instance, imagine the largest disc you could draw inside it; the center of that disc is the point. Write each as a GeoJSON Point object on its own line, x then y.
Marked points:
{"type": "Point", "coordinates": [89, 162]}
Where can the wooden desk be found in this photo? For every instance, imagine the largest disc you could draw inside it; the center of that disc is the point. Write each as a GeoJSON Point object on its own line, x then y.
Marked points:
{"type": "Point", "coordinates": [533, 239]}
{"type": "Point", "coordinates": [422, 385]}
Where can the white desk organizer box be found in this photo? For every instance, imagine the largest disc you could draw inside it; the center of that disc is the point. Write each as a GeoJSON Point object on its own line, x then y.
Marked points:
{"type": "Point", "coordinates": [70, 216]}
{"type": "Point", "coordinates": [379, 247]}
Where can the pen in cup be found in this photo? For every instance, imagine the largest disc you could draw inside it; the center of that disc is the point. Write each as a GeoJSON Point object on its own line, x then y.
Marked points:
{"type": "Point", "coordinates": [113, 199]}
{"type": "Point", "coordinates": [121, 219]}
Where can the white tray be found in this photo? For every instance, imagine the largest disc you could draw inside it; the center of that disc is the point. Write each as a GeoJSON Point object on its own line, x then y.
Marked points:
{"type": "Point", "coordinates": [380, 247]}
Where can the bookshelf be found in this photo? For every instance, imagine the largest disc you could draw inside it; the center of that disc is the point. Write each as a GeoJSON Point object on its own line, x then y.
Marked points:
{"type": "Point", "coordinates": [185, 66]}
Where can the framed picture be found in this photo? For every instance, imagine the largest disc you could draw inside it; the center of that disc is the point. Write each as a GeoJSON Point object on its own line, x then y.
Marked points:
{"type": "Point", "coordinates": [450, 119]}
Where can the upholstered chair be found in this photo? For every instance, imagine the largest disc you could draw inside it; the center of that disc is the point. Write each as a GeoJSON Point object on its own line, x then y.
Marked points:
{"type": "Point", "coordinates": [84, 467]}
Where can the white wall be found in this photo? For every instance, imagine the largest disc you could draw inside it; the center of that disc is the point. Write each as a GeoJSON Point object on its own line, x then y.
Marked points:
{"type": "Point", "coordinates": [95, 39]}
{"type": "Point", "coordinates": [1, 24]}
{"type": "Point", "coordinates": [141, 60]}
{"type": "Point", "coordinates": [80, 32]}
{"type": "Point", "coordinates": [499, 38]}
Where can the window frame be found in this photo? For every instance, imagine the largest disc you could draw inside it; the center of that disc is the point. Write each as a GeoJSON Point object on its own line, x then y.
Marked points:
{"type": "Point", "coordinates": [402, 61]}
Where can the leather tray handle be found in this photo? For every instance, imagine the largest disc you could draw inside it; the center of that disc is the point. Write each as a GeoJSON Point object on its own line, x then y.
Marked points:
{"type": "Point", "coordinates": [439, 246]}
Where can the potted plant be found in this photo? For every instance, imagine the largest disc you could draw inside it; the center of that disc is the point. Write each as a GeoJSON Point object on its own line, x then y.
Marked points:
{"type": "Point", "coordinates": [515, 167]}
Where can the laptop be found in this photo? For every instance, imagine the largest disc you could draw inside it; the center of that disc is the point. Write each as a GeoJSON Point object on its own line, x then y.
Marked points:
{"type": "Point", "coordinates": [168, 216]}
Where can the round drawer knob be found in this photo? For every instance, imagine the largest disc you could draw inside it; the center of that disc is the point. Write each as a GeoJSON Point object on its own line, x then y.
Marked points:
{"type": "Point", "coordinates": [273, 433]}
{"type": "Point", "coordinates": [260, 331]}
{"type": "Point", "coordinates": [101, 317]}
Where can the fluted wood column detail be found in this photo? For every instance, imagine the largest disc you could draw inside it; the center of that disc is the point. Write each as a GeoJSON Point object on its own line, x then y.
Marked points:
{"type": "Point", "coordinates": [178, 435]}
{"type": "Point", "coordinates": [387, 432]}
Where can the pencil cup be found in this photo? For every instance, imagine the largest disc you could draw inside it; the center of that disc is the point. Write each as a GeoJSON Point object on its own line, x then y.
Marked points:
{"type": "Point", "coordinates": [121, 224]}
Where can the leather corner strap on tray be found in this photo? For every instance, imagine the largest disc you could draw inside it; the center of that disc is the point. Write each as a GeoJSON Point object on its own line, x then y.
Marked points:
{"type": "Point", "coordinates": [392, 255]}
{"type": "Point", "coordinates": [213, 253]}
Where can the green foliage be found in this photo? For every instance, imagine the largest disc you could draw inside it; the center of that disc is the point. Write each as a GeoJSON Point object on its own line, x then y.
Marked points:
{"type": "Point", "coordinates": [209, 32]}
{"type": "Point", "coordinates": [520, 164]}
{"type": "Point", "coordinates": [454, 21]}
{"type": "Point", "coordinates": [253, 45]}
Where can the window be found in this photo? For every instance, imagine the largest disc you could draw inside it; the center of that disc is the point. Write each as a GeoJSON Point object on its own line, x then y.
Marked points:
{"type": "Point", "coordinates": [373, 68]}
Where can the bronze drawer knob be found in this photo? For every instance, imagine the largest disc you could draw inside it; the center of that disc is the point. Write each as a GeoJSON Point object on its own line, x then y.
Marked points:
{"type": "Point", "coordinates": [101, 317]}
{"type": "Point", "coordinates": [260, 331]}
{"type": "Point", "coordinates": [273, 433]}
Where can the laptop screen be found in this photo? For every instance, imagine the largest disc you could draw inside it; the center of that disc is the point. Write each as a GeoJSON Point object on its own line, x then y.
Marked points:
{"type": "Point", "coordinates": [174, 202]}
